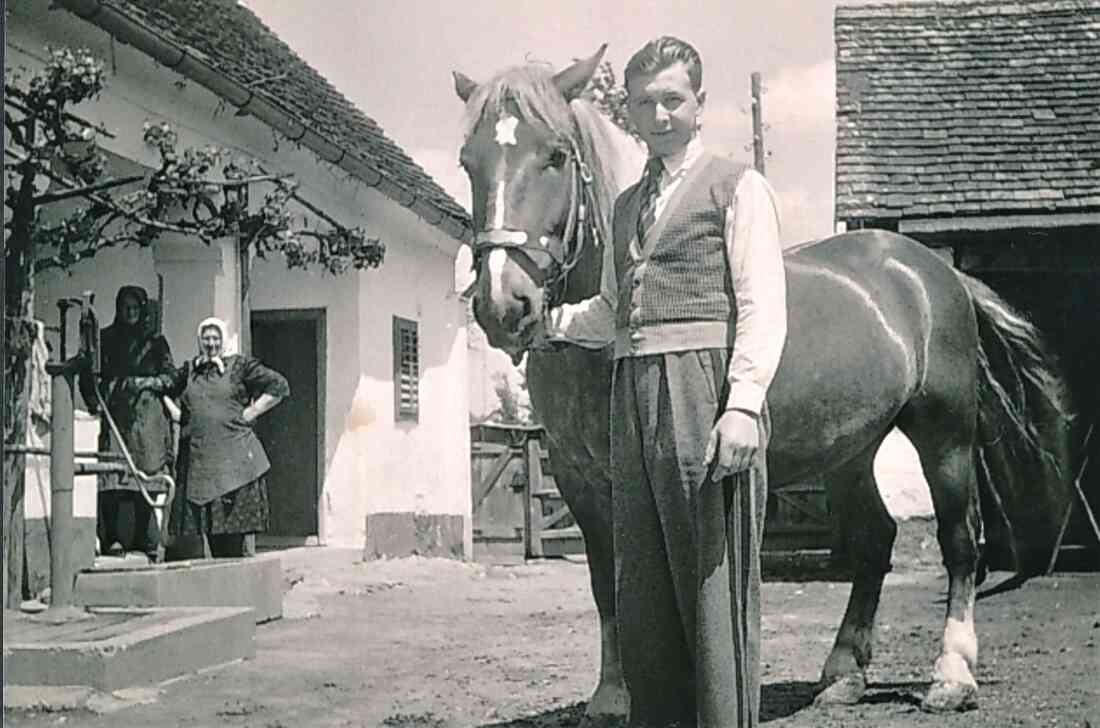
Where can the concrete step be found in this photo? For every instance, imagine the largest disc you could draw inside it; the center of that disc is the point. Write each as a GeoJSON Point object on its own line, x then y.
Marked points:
{"type": "Point", "coordinates": [117, 648]}
{"type": "Point", "coordinates": [256, 583]}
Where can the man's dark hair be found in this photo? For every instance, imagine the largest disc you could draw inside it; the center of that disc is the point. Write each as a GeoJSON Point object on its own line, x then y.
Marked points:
{"type": "Point", "coordinates": [659, 54]}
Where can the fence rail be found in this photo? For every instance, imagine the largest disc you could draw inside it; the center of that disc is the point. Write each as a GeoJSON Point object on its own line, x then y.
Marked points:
{"type": "Point", "coordinates": [518, 511]}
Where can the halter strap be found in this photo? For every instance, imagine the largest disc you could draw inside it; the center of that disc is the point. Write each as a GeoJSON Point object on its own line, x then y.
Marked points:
{"type": "Point", "coordinates": [578, 223]}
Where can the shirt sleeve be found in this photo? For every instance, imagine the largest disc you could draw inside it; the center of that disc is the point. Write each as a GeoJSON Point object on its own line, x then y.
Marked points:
{"type": "Point", "coordinates": [171, 383]}
{"type": "Point", "coordinates": [258, 379]}
{"type": "Point", "coordinates": [589, 323]}
{"type": "Point", "coordinates": [760, 289]}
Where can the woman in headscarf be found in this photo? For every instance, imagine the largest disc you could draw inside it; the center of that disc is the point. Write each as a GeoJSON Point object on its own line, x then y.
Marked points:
{"type": "Point", "coordinates": [221, 493]}
{"type": "Point", "coordinates": [130, 347]}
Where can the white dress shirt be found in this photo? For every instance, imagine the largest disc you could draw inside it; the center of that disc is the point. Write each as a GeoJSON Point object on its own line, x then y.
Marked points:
{"type": "Point", "coordinates": [756, 268]}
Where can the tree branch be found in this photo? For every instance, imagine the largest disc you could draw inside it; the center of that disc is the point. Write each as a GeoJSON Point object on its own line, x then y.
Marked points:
{"type": "Point", "coordinates": [316, 211]}
{"type": "Point", "coordinates": [14, 129]}
{"type": "Point", "coordinates": [312, 208]}
{"type": "Point", "coordinates": [11, 93]}
{"type": "Point", "coordinates": [87, 190]}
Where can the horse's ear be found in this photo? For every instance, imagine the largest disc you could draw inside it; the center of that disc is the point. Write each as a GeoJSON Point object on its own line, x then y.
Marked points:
{"type": "Point", "coordinates": [464, 86]}
{"type": "Point", "coordinates": [572, 80]}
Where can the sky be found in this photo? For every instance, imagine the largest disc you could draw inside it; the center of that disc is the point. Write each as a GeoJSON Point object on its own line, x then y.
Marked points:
{"type": "Point", "coordinates": [394, 61]}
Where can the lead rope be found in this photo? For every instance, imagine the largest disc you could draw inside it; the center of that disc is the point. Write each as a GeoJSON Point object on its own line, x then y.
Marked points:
{"type": "Point", "coordinates": [143, 478]}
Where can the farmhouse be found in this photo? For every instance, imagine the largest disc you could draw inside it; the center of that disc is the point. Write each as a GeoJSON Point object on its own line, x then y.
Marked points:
{"type": "Point", "coordinates": [372, 449]}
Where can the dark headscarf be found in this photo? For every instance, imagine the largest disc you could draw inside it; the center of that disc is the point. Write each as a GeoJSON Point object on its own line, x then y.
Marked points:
{"type": "Point", "coordinates": [137, 293]}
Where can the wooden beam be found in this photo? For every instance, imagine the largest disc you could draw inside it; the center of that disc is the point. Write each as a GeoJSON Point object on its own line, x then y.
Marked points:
{"type": "Point", "coordinates": [997, 222]}
{"type": "Point", "coordinates": [554, 518]}
{"type": "Point", "coordinates": [533, 510]}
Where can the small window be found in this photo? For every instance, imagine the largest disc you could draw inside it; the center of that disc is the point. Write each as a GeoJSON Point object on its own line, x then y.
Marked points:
{"type": "Point", "coordinates": [406, 370]}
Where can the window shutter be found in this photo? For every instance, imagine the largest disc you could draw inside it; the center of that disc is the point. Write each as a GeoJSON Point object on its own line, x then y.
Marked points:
{"type": "Point", "coordinates": [406, 370]}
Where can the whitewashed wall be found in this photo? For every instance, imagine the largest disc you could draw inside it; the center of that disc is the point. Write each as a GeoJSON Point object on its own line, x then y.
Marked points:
{"type": "Point", "coordinates": [372, 464]}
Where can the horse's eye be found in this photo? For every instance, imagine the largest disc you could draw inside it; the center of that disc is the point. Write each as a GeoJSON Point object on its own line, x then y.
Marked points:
{"type": "Point", "coordinates": [557, 159]}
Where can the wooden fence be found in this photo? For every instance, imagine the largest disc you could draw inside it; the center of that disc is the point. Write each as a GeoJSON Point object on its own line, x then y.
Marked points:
{"type": "Point", "coordinates": [518, 512]}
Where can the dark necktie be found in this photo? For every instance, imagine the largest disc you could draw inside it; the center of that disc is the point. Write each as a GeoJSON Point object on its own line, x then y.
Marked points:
{"type": "Point", "coordinates": [651, 185]}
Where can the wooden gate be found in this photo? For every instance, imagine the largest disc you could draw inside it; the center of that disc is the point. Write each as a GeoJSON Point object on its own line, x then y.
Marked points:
{"type": "Point", "coordinates": [798, 518]}
{"type": "Point", "coordinates": [518, 511]}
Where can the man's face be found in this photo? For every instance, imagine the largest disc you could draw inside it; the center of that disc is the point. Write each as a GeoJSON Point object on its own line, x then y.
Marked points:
{"type": "Point", "coordinates": [664, 108]}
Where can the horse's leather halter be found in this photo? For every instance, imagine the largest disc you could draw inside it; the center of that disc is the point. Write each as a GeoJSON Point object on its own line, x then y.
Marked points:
{"type": "Point", "coordinates": [582, 205]}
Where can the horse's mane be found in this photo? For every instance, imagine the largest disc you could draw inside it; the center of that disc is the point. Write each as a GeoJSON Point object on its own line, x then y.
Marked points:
{"type": "Point", "coordinates": [613, 156]}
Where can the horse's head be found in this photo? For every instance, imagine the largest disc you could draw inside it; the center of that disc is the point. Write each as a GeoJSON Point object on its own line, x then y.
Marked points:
{"type": "Point", "coordinates": [531, 182]}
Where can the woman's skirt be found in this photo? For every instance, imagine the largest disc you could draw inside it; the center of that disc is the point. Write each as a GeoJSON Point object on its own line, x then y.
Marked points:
{"type": "Point", "coordinates": [244, 510]}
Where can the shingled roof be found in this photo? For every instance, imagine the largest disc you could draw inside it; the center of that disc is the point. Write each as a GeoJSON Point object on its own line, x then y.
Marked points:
{"type": "Point", "coordinates": [227, 48]}
{"type": "Point", "coordinates": [967, 108]}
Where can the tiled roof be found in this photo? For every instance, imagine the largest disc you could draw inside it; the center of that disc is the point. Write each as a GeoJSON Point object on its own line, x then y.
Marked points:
{"type": "Point", "coordinates": [967, 108]}
{"type": "Point", "coordinates": [239, 46]}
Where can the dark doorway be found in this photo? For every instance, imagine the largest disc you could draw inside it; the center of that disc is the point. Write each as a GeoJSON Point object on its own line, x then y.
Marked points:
{"type": "Point", "coordinates": [293, 343]}
{"type": "Point", "coordinates": [1066, 308]}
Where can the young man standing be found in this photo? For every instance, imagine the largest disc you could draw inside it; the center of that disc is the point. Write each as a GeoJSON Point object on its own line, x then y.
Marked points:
{"type": "Point", "coordinates": [694, 299]}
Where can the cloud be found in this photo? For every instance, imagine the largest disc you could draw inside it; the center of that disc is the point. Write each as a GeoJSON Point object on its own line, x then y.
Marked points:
{"type": "Point", "coordinates": [796, 99]}
{"type": "Point", "coordinates": [801, 97]}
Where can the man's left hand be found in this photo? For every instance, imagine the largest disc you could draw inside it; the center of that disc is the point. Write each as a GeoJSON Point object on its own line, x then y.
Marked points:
{"type": "Point", "coordinates": [733, 443]}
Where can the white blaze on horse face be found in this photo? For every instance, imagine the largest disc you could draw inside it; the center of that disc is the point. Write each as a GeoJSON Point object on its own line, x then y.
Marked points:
{"type": "Point", "coordinates": [498, 207]}
{"type": "Point", "coordinates": [505, 136]}
{"type": "Point", "coordinates": [506, 130]}
{"type": "Point", "coordinates": [497, 258]}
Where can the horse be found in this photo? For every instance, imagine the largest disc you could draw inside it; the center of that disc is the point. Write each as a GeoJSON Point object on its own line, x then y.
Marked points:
{"type": "Point", "coordinates": [882, 332]}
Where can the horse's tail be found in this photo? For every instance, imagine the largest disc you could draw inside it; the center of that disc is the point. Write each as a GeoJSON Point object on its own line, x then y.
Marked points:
{"type": "Point", "coordinates": [1024, 429]}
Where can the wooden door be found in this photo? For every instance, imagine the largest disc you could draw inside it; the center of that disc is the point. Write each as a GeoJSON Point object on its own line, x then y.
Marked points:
{"type": "Point", "coordinates": [292, 342]}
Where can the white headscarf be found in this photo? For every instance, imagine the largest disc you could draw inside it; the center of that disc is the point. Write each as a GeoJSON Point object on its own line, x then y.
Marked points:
{"type": "Point", "coordinates": [202, 358]}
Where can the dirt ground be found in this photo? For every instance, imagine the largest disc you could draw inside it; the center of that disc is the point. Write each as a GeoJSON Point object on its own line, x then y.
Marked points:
{"type": "Point", "coordinates": [427, 643]}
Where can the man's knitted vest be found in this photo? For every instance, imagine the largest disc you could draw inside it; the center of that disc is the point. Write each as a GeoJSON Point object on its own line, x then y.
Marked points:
{"type": "Point", "coordinates": [677, 294]}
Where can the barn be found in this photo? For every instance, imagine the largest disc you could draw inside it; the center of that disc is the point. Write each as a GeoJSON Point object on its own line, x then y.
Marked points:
{"type": "Point", "coordinates": [372, 450]}
{"type": "Point", "coordinates": [974, 127]}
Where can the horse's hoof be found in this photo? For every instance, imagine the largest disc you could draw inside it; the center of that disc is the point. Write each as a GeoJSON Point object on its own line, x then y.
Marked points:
{"type": "Point", "coordinates": [845, 690]}
{"type": "Point", "coordinates": [950, 697]}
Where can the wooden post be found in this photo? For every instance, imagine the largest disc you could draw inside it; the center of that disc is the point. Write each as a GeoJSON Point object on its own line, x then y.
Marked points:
{"type": "Point", "coordinates": [245, 280]}
{"type": "Point", "coordinates": [62, 574]}
{"type": "Point", "coordinates": [533, 512]}
{"type": "Point", "coordinates": [757, 124]}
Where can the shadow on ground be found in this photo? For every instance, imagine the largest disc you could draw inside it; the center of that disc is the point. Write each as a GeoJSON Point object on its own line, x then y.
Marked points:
{"type": "Point", "coordinates": [778, 700]}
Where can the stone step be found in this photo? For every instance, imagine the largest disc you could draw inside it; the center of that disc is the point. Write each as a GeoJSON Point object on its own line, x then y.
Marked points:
{"type": "Point", "coordinates": [115, 648]}
{"type": "Point", "coordinates": [256, 583]}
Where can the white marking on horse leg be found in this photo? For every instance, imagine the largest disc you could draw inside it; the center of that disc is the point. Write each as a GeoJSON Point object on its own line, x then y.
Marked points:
{"type": "Point", "coordinates": [497, 258]}
{"type": "Point", "coordinates": [960, 642]}
{"type": "Point", "coordinates": [611, 697]}
{"type": "Point", "coordinates": [498, 207]}
{"type": "Point", "coordinates": [959, 637]}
